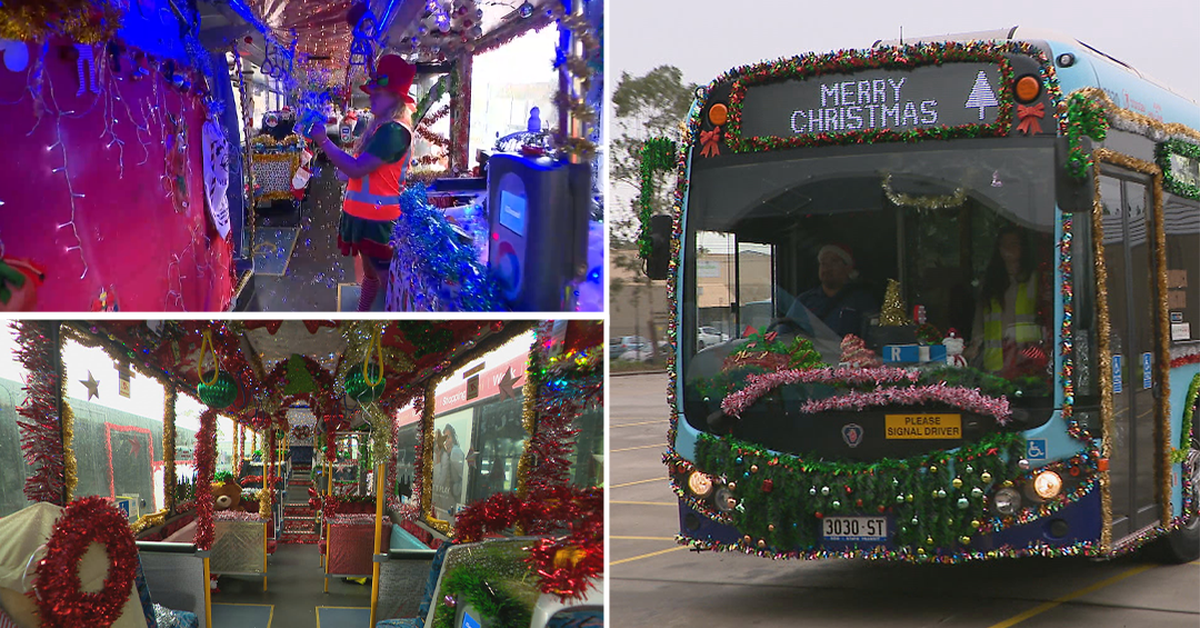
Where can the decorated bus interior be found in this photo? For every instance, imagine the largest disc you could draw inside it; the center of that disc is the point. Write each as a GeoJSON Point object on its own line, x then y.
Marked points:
{"type": "Point", "coordinates": [301, 473]}
{"type": "Point", "coordinates": [168, 150]}
{"type": "Point", "coordinates": [920, 238]}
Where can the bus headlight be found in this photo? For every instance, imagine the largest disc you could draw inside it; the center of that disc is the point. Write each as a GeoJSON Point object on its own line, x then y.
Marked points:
{"type": "Point", "coordinates": [725, 500]}
{"type": "Point", "coordinates": [700, 484]}
{"type": "Point", "coordinates": [1047, 484]}
{"type": "Point", "coordinates": [1006, 501]}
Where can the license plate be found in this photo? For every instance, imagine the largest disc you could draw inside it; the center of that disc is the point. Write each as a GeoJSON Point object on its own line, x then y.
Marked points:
{"type": "Point", "coordinates": [869, 529]}
{"type": "Point", "coordinates": [923, 426]}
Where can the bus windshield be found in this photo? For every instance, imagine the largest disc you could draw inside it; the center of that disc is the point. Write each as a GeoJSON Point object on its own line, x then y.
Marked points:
{"type": "Point", "coordinates": [808, 242]}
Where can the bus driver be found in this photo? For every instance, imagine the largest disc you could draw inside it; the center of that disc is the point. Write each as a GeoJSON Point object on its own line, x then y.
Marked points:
{"type": "Point", "coordinates": [838, 300]}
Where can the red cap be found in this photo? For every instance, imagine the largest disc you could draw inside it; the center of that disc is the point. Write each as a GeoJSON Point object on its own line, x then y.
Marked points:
{"type": "Point", "coordinates": [393, 74]}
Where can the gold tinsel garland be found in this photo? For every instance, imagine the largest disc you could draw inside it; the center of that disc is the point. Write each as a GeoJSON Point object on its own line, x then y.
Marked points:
{"type": "Point", "coordinates": [84, 21]}
{"type": "Point", "coordinates": [427, 444]}
{"type": "Point", "coordinates": [946, 201]}
{"type": "Point", "coordinates": [1134, 122]}
{"type": "Point", "coordinates": [1103, 328]}
{"type": "Point", "coordinates": [151, 520]}
{"type": "Point", "coordinates": [529, 399]}
{"type": "Point", "coordinates": [70, 465]}
{"type": "Point", "coordinates": [267, 493]}
{"type": "Point", "coordinates": [171, 395]}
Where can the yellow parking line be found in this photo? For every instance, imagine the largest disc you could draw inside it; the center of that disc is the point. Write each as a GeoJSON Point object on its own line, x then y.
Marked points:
{"type": "Point", "coordinates": [637, 482]}
{"type": "Point", "coordinates": [643, 503]}
{"type": "Point", "coordinates": [1070, 596]}
{"type": "Point", "coordinates": [650, 555]}
{"type": "Point", "coordinates": [642, 538]}
{"type": "Point", "coordinates": [654, 446]}
{"type": "Point", "coordinates": [633, 424]}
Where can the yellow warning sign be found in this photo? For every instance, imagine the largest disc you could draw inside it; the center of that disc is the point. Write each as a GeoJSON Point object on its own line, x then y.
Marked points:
{"type": "Point", "coordinates": [923, 426]}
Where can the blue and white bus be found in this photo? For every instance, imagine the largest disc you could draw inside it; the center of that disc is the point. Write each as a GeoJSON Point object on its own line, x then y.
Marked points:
{"type": "Point", "coordinates": [983, 336]}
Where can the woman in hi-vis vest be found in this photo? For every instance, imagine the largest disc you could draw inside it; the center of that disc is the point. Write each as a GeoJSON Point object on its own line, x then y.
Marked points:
{"type": "Point", "coordinates": [376, 171]}
{"type": "Point", "coordinates": [1007, 338]}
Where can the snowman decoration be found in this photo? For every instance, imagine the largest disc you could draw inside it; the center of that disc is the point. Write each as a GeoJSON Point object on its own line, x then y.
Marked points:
{"type": "Point", "coordinates": [954, 349]}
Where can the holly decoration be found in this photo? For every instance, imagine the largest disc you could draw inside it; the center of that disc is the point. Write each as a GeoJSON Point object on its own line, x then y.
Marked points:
{"type": "Point", "coordinates": [219, 394]}
{"type": "Point", "coordinates": [360, 390]}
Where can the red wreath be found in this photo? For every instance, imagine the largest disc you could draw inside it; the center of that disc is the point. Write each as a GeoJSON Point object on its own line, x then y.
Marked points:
{"type": "Point", "coordinates": [302, 432]}
{"type": "Point", "coordinates": [60, 601]}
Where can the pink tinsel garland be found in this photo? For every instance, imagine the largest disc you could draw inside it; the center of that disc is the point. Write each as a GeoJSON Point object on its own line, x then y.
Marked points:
{"type": "Point", "coordinates": [736, 403]}
{"type": "Point", "coordinates": [965, 398]}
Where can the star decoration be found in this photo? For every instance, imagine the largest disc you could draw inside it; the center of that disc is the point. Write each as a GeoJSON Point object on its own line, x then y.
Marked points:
{"type": "Point", "coordinates": [93, 386]}
{"type": "Point", "coordinates": [506, 384]}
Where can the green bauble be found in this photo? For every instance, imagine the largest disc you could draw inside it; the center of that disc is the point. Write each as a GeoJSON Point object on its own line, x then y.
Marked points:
{"type": "Point", "coordinates": [220, 394]}
{"type": "Point", "coordinates": [359, 390]}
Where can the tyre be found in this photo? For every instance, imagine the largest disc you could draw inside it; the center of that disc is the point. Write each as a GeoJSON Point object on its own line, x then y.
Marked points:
{"type": "Point", "coordinates": [1182, 545]}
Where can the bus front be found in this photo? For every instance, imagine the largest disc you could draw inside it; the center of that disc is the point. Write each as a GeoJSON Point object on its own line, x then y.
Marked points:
{"type": "Point", "coordinates": [877, 236]}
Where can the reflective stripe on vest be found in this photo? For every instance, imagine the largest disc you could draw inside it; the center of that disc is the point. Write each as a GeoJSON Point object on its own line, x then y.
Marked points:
{"type": "Point", "coordinates": [1024, 327]}
{"type": "Point", "coordinates": [384, 202]}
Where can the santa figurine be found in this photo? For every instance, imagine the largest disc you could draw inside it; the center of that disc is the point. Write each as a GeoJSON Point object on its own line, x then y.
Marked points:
{"type": "Point", "coordinates": [954, 349]}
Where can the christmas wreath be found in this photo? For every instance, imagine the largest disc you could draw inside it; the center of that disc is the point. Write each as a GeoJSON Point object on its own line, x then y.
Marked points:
{"type": "Point", "coordinates": [61, 602]}
{"type": "Point", "coordinates": [302, 432]}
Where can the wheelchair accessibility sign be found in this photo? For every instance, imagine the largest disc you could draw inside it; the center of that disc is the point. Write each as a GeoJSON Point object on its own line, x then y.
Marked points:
{"type": "Point", "coordinates": [1035, 449]}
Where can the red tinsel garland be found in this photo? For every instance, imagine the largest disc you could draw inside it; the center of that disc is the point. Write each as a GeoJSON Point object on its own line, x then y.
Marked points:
{"type": "Point", "coordinates": [566, 564]}
{"type": "Point", "coordinates": [205, 462]}
{"type": "Point", "coordinates": [41, 435]}
{"type": "Point", "coordinates": [61, 603]}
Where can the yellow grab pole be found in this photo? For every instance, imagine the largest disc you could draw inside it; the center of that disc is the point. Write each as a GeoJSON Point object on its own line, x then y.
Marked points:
{"type": "Point", "coordinates": [265, 534]}
{"type": "Point", "coordinates": [379, 473]}
{"type": "Point", "coordinates": [207, 595]}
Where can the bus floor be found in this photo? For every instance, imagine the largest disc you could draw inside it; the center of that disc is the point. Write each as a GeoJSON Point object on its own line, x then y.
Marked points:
{"type": "Point", "coordinates": [295, 591]}
{"type": "Point", "coordinates": [297, 265]}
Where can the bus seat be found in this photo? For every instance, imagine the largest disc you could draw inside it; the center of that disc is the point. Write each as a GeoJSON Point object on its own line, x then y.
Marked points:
{"type": "Point", "coordinates": [435, 570]}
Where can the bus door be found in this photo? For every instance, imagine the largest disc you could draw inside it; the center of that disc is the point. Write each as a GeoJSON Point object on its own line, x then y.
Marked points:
{"type": "Point", "coordinates": [1128, 253]}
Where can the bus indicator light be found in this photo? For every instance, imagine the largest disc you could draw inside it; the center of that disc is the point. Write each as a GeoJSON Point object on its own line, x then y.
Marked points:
{"type": "Point", "coordinates": [718, 114]}
{"type": "Point", "coordinates": [1027, 89]}
{"type": "Point", "coordinates": [700, 484]}
{"type": "Point", "coordinates": [1047, 484]}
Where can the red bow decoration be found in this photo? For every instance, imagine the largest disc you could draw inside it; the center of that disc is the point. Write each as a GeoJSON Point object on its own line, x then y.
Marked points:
{"type": "Point", "coordinates": [1029, 117]}
{"type": "Point", "coordinates": [271, 326]}
{"type": "Point", "coordinates": [313, 326]}
{"type": "Point", "coordinates": [710, 142]}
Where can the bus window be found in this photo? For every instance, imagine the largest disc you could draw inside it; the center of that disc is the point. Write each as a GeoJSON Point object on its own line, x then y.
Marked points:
{"type": "Point", "coordinates": [953, 227]}
{"type": "Point", "coordinates": [1183, 267]}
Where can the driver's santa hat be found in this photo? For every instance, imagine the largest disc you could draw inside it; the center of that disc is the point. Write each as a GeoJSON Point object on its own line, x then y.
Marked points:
{"type": "Point", "coordinates": [843, 252]}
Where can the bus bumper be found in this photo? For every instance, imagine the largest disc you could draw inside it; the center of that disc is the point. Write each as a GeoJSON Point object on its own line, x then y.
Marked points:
{"type": "Point", "coordinates": [1072, 529]}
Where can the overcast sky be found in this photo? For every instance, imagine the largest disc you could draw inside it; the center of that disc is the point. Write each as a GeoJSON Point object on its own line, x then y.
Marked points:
{"type": "Point", "coordinates": [704, 37]}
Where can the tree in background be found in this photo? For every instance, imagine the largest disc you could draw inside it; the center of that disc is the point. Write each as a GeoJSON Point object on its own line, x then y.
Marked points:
{"type": "Point", "coordinates": [648, 106]}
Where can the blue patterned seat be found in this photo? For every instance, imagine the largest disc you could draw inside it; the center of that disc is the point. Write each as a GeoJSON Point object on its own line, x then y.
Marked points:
{"type": "Point", "coordinates": [435, 569]}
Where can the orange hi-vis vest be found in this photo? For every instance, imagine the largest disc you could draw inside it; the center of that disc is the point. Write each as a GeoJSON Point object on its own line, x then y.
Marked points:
{"type": "Point", "coordinates": [377, 195]}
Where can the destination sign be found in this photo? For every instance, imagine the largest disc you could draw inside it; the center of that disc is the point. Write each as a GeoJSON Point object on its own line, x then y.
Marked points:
{"type": "Point", "coordinates": [953, 94]}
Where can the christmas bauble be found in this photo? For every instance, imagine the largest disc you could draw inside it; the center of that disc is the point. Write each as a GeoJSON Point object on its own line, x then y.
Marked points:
{"type": "Point", "coordinates": [359, 390]}
{"type": "Point", "coordinates": [221, 393]}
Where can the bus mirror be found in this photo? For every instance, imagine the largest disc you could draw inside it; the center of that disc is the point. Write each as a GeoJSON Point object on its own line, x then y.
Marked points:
{"type": "Point", "coordinates": [1073, 194]}
{"type": "Point", "coordinates": [660, 247]}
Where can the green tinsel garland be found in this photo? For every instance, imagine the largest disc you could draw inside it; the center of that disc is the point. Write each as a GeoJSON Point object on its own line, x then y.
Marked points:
{"type": "Point", "coordinates": [1171, 183]}
{"type": "Point", "coordinates": [781, 497]}
{"type": "Point", "coordinates": [1185, 430]}
{"type": "Point", "coordinates": [468, 584]}
{"type": "Point", "coordinates": [658, 155]}
{"type": "Point", "coordinates": [1084, 117]}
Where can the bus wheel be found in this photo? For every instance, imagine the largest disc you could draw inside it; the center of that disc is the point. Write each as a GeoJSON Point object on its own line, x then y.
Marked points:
{"type": "Point", "coordinates": [1182, 545]}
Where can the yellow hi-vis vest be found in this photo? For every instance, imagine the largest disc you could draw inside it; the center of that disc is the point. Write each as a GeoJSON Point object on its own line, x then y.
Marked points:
{"type": "Point", "coordinates": [1024, 327]}
{"type": "Point", "coordinates": [377, 195]}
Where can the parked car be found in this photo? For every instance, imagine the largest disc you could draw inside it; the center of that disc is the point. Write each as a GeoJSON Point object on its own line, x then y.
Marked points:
{"type": "Point", "coordinates": [709, 336]}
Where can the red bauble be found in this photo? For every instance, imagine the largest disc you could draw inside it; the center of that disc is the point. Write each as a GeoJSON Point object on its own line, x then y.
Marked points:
{"type": "Point", "coordinates": [61, 603]}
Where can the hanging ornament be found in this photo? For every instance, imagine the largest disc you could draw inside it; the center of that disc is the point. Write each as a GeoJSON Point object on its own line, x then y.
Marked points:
{"type": "Point", "coordinates": [16, 55]}
{"type": "Point", "coordinates": [526, 9]}
{"type": "Point", "coordinates": [219, 391]}
{"type": "Point", "coordinates": [87, 58]}
{"type": "Point", "coordinates": [106, 301]}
